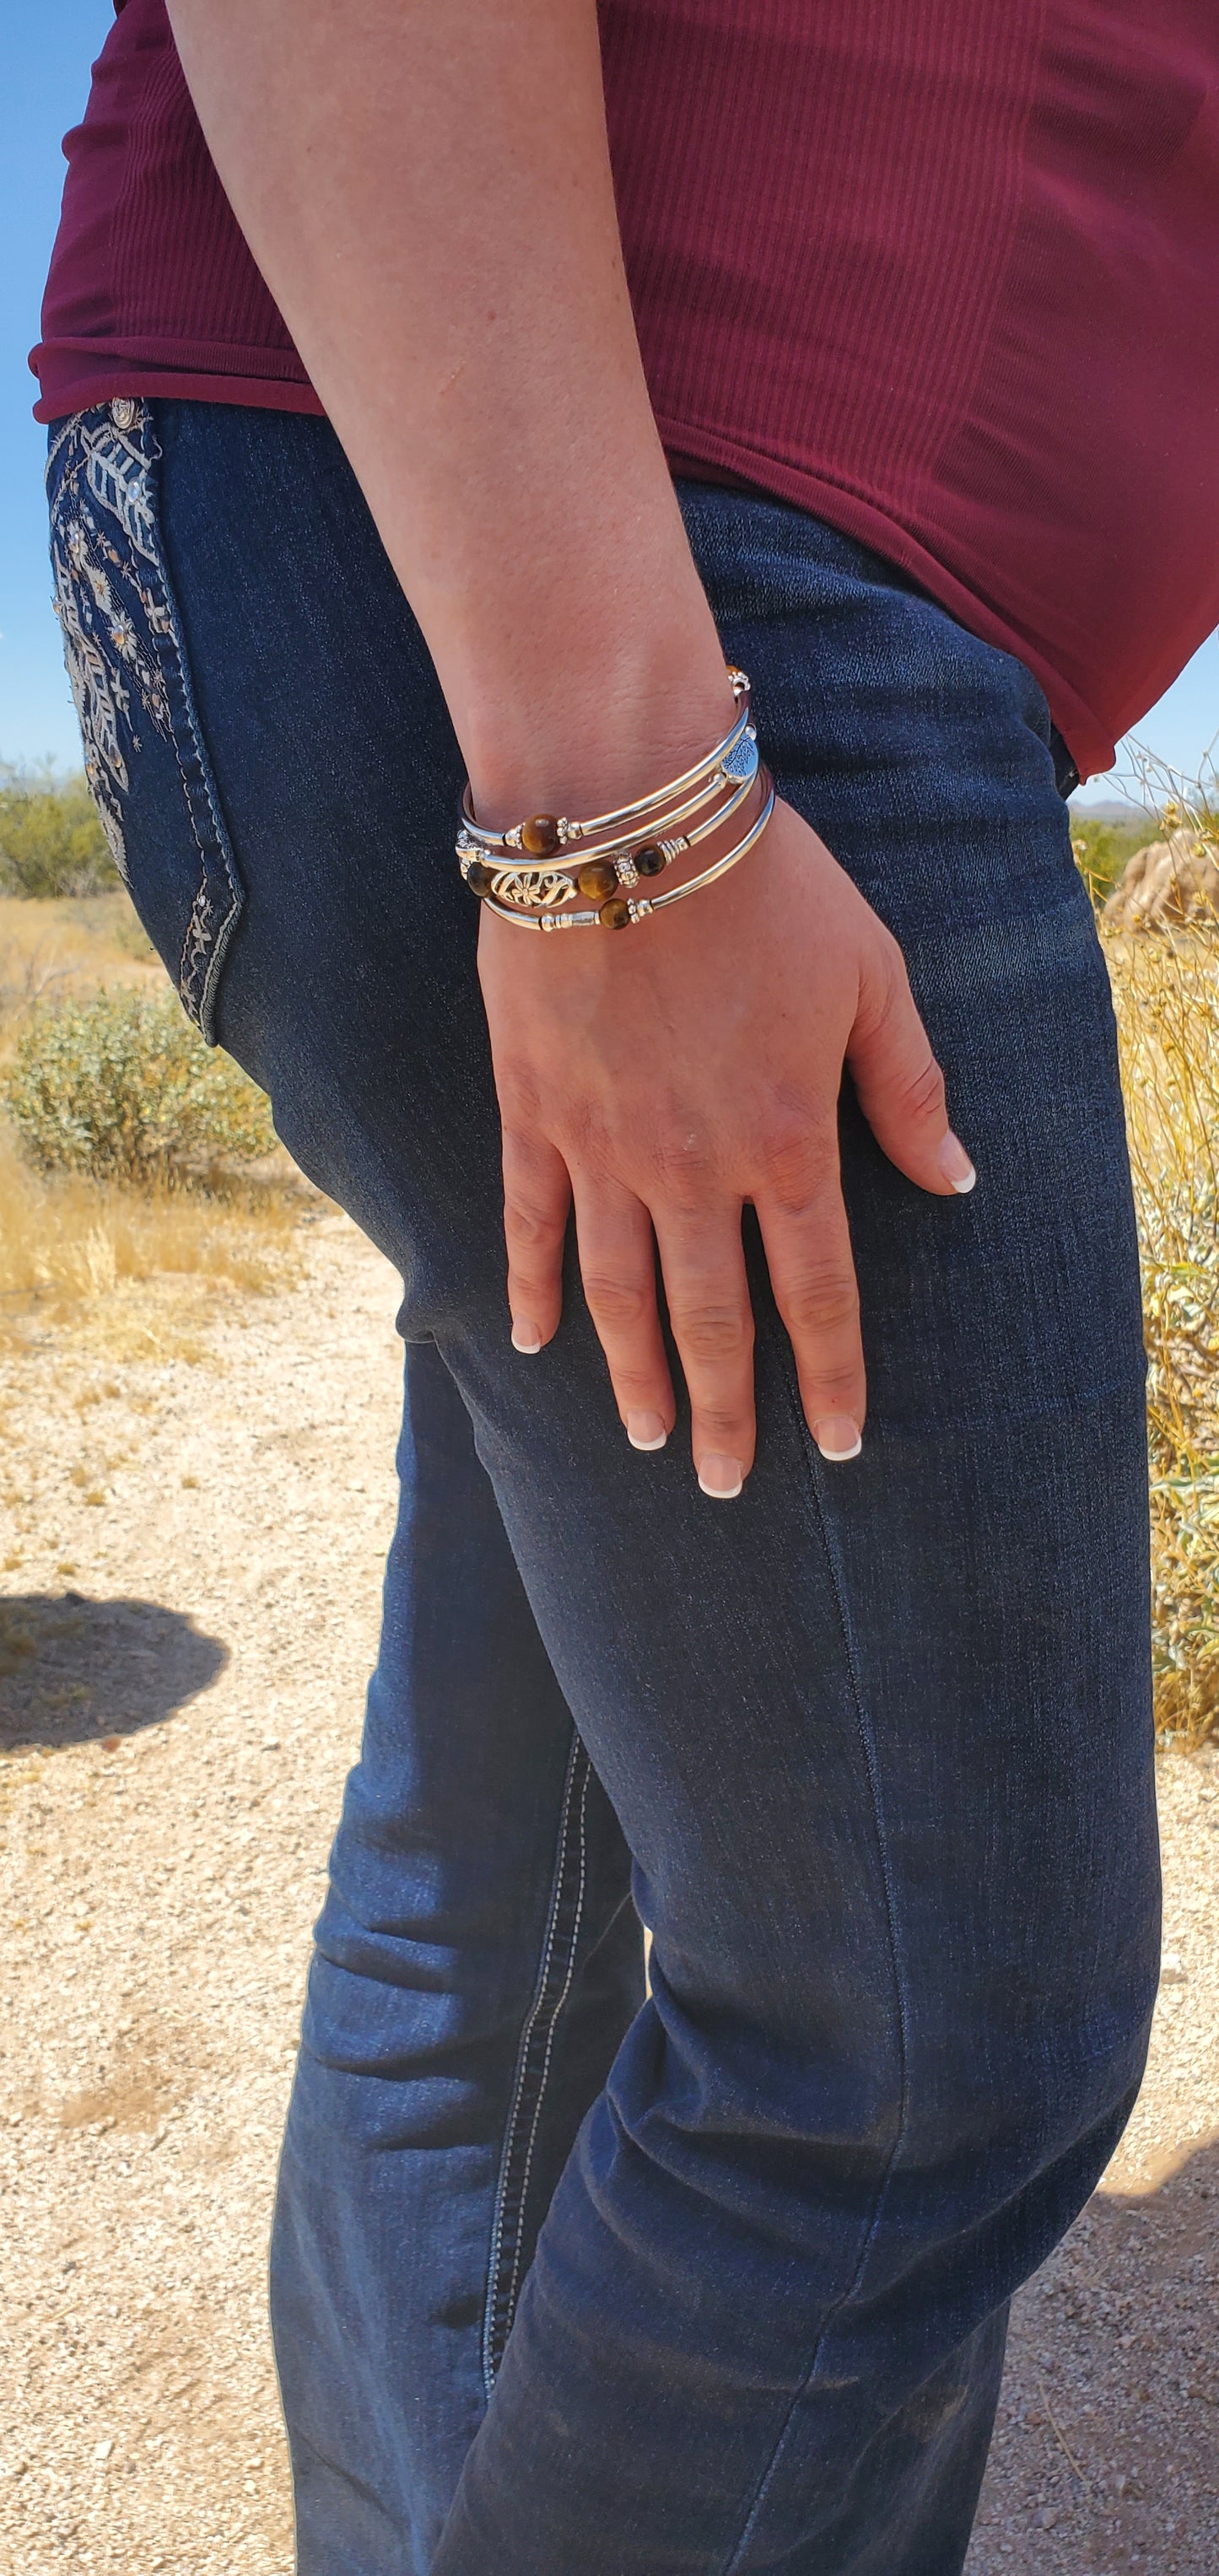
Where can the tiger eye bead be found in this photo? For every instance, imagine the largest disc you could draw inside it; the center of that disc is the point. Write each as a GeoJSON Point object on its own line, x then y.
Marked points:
{"type": "Point", "coordinates": [597, 879]}
{"type": "Point", "coordinates": [479, 878]}
{"type": "Point", "coordinates": [615, 914]}
{"type": "Point", "coordinates": [650, 859]}
{"type": "Point", "coordinates": [540, 835]}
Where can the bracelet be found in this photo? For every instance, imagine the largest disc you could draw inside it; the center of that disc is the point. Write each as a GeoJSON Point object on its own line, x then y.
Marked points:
{"type": "Point", "coordinates": [602, 877]}
{"type": "Point", "coordinates": [622, 910]}
{"type": "Point", "coordinates": [541, 835]}
{"type": "Point", "coordinates": [737, 769]}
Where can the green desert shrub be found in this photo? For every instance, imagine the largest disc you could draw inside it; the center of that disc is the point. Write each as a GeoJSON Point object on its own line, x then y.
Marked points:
{"type": "Point", "coordinates": [123, 1088]}
{"type": "Point", "coordinates": [51, 841]}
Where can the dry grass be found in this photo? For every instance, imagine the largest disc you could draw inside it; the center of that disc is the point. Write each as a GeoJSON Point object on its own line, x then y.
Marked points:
{"type": "Point", "coordinates": [71, 1238]}
{"type": "Point", "coordinates": [1166, 992]}
{"type": "Point", "coordinates": [68, 944]}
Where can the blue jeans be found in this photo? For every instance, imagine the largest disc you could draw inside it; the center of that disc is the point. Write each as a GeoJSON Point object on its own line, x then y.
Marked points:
{"type": "Point", "coordinates": [570, 2280]}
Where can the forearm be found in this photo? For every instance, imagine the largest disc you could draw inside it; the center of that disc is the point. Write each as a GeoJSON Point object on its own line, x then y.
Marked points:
{"type": "Point", "coordinates": [427, 192]}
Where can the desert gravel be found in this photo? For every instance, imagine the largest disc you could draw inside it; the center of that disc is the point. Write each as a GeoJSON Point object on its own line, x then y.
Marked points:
{"type": "Point", "coordinates": [196, 1493]}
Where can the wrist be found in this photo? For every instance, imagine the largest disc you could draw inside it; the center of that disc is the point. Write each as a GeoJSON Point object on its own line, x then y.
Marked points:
{"type": "Point", "coordinates": [601, 732]}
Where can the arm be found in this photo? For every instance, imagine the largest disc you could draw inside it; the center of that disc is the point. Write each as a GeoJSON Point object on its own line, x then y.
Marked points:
{"type": "Point", "coordinates": [428, 194]}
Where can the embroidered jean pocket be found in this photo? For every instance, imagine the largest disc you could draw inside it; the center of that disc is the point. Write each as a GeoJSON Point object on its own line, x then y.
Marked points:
{"type": "Point", "coordinates": [145, 759]}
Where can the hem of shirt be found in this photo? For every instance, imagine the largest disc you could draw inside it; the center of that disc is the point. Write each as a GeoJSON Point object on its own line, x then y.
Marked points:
{"type": "Point", "coordinates": [1091, 748]}
{"type": "Point", "coordinates": [88, 385]}
{"type": "Point", "coordinates": [687, 447]}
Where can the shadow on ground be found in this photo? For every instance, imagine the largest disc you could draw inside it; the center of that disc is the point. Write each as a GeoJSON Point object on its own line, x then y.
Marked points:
{"type": "Point", "coordinates": [73, 1669]}
{"type": "Point", "coordinates": [1106, 2453]}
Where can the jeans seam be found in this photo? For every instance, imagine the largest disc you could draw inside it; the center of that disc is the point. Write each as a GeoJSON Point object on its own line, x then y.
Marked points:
{"type": "Point", "coordinates": [733, 2566]}
{"type": "Point", "coordinates": [196, 926]}
{"type": "Point", "coordinates": [510, 2199]}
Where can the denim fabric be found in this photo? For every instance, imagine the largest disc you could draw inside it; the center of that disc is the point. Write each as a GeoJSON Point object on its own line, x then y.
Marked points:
{"type": "Point", "coordinates": [715, 2283]}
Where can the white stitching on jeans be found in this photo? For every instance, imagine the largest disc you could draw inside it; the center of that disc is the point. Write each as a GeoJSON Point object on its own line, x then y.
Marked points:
{"type": "Point", "coordinates": [491, 2310]}
{"type": "Point", "coordinates": [104, 604]}
{"type": "Point", "coordinates": [554, 2020]}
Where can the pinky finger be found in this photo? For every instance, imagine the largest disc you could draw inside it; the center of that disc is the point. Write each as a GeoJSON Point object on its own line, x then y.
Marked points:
{"type": "Point", "coordinates": [537, 1197]}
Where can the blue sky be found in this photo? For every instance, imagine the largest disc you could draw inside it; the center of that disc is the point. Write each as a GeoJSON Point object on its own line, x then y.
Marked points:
{"type": "Point", "coordinates": [47, 53]}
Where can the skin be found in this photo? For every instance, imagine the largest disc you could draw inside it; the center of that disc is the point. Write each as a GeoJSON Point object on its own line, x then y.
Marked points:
{"type": "Point", "coordinates": [428, 194]}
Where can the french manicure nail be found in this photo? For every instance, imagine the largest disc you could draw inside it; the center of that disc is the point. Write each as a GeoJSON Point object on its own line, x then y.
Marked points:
{"type": "Point", "coordinates": [722, 1478]}
{"type": "Point", "coordinates": [837, 1437]}
{"type": "Point", "coordinates": [645, 1431]}
{"type": "Point", "coordinates": [955, 1164]}
{"type": "Point", "coordinates": [525, 1336]}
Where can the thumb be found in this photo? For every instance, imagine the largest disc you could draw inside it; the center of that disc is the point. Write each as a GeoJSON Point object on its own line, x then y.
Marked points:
{"type": "Point", "coordinates": [900, 1085]}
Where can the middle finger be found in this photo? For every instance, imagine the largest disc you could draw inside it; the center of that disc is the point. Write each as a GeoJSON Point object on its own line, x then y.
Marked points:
{"type": "Point", "coordinates": [703, 1262]}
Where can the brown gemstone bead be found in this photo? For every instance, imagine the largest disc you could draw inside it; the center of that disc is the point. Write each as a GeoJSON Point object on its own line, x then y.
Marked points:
{"type": "Point", "coordinates": [615, 914]}
{"type": "Point", "coordinates": [650, 859]}
{"type": "Point", "coordinates": [540, 835]}
{"type": "Point", "coordinates": [597, 879]}
{"type": "Point", "coordinates": [479, 878]}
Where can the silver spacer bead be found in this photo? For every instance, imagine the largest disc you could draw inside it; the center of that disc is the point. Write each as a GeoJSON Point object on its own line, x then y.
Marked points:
{"type": "Point", "coordinates": [673, 849]}
{"type": "Point", "coordinates": [627, 872]}
{"type": "Point", "coordinates": [639, 911]}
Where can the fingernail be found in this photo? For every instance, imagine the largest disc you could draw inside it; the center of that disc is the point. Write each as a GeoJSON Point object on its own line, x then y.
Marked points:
{"type": "Point", "coordinates": [837, 1437]}
{"type": "Point", "coordinates": [955, 1164]}
{"type": "Point", "coordinates": [645, 1431]}
{"type": "Point", "coordinates": [722, 1478]}
{"type": "Point", "coordinates": [525, 1336]}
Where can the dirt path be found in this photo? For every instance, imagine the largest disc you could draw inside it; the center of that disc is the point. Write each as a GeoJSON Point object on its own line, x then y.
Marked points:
{"type": "Point", "coordinates": [163, 1891]}
{"type": "Point", "coordinates": [193, 1513]}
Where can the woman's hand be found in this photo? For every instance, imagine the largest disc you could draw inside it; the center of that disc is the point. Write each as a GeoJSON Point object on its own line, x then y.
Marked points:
{"type": "Point", "coordinates": [665, 1076]}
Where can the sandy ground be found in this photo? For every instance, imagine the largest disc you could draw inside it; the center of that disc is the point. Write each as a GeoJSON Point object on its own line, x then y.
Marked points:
{"type": "Point", "coordinates": [194, 1507]}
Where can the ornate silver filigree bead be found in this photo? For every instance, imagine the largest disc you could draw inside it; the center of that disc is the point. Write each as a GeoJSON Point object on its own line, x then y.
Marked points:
{"type": "Point", "coordinates": [529, 892]}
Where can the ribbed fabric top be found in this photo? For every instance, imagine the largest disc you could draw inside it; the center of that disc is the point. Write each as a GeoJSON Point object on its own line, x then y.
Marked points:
{"type": "Point", "coordinates": [942, 271]}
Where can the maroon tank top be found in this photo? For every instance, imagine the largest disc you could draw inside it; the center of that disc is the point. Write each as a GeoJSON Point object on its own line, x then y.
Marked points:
{"type": "Point", "coordinates": [942, 271]}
